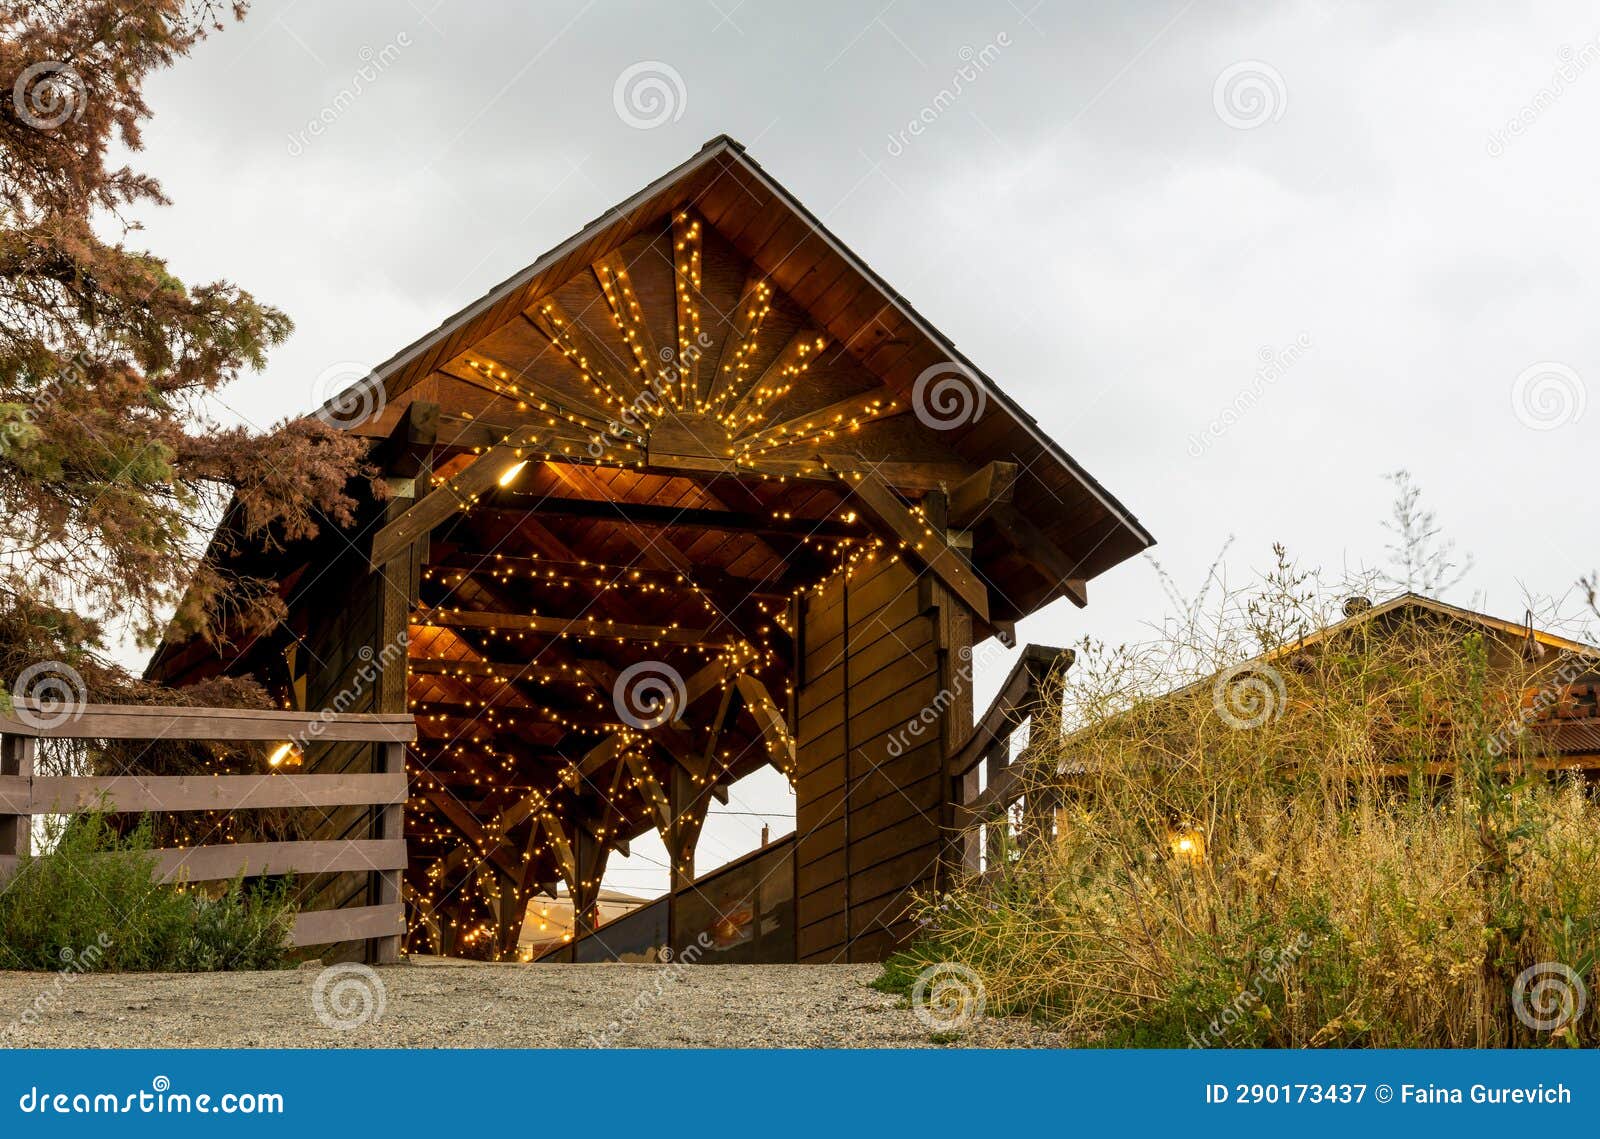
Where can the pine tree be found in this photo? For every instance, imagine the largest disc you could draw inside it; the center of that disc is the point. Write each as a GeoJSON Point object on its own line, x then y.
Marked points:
{"type": "Point", "coordinates": [111, 465]}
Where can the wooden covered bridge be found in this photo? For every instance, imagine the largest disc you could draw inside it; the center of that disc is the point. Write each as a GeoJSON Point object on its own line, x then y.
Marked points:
{"type": "Point", "coordinates": [694, 493]}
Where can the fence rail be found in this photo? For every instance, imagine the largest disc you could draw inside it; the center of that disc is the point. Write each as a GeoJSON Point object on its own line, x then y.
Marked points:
{"type": "Point", "coordinates": [25, 794]}
{"type": "Point", "coordinates": [985, 760]}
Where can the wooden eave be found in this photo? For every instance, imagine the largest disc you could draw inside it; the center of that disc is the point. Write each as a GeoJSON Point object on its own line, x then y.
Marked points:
{"type": "Point", "coordinates": [852, 304]}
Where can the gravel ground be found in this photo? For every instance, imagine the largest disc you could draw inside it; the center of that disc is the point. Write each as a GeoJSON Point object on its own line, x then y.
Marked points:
{"type": "Point", "coordinates": [452, 1004]}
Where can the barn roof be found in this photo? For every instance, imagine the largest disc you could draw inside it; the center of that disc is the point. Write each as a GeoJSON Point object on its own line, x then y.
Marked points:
{"type": "Point", "coordinates": [860, 313]}
{"type": "Point", "coordinates": [1411, 603]}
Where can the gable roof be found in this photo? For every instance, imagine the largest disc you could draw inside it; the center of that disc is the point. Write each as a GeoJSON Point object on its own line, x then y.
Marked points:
{"type": "Point", "coordinates": [856, 307]}
{"type": "Point", "coordinates": [1421, 602]}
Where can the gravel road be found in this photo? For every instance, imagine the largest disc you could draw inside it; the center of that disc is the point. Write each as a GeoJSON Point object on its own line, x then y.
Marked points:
{"type": "Point", "coordinates": [453, 1004]}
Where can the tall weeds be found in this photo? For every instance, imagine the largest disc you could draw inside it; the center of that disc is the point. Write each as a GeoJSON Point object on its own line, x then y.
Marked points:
{"type": "Point", "coordinates": [1350, 842]}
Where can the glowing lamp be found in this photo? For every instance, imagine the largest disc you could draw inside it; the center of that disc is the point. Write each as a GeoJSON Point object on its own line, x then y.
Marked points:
{"type": "Point", "coordinates": [512, 472]}
{"type": "Point", "coordinates": [279, 754]}
{"type": "Point", "coordinates": [1188, 845]}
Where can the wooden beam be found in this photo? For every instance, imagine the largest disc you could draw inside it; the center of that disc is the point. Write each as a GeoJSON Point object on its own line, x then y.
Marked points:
{"type": "Point", "coordinates": [556, 836]}
{"type": "Point", "coordinates": [653, 514]}
{"type": "Point", "coordinates": [518, 716]}
{"type": "Point", "coordinates": [502, 670]}
{"type": "Point", "coordinates": [537, 802]}
{"type": "Point", "coordinates": [570, 449]}
{"type": "Point", "coordinates": [404, 453]}
{"type": "Point", "coordinates": [560, 440]}
{"type": "Point", "coordinates": [774, 728]}
{"type": "Point", "coordinates": [151, 722]}
{"type": "Point", "coordinates": [611, 272]}
{"type": "Point", "coordinates": [822, 425]}
{"type": "Point", "coordinates": [739, 345]}
{"type": "Point", "coordinates": [457, 493]}
{"type": "Point", "coordinates": [970, 498]}
{"type": "Point", "coordinates": [661, 553]}
{"type": "Point", "coordinates": [355, 923]}
{"type": "Point", "coordinates": [467, 825]}
{"type": "Point", "coordinates": [585, 573]}
{"type": "Point", "coordinates": [777, 379]}
{"type": "Point", "coordinates": [687, 268]}
{"type": "Point", "coordinates": [612, 378]}
{"type": "Point", "coordinates": [920, 541]}
{"type": "Point", "coordinates": [259, 859]}
{"type": "Point", "coordinates": [141, 793]}
{"type": "Point", "coordinates": [918, 477]}
{"type": "Point", "coordinates": [570, 627]}
{"type": "Point", "coordinates": [695, 687]}
{"type": "Point", "coordinates": [714, 731]}
{"type": "Point", "coordinates": [651, 792]}
{"type": "Point", "coordinates": [1010, 706]}
{"type": "Point", "coordinates": [495, 830]}
{"type": "Point", "coordinates": [1033, 545]}
{"type": "Point", "coordinates": [672, 737]}
{"type": "Point", "coordinates": [690, 801]}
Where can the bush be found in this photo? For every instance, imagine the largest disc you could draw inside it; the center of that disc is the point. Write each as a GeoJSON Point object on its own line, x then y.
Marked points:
{"type": "Point", "coordinates": [1346, 843]}
{"type": "Point", "coordinates": [93, 903]}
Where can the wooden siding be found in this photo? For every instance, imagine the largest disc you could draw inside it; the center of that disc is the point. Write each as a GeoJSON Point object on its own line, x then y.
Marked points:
{"type": "Point", "coordinates": [871, 795]}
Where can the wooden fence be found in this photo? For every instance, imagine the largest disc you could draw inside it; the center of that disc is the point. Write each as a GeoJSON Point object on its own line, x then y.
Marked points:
{"type": "Point", "coordinates": [982, 816]}
{"type": "Point", "coordinates": [24, 794]}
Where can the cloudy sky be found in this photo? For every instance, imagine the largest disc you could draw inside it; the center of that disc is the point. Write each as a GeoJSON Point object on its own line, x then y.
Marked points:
{"type": "Point", "coordinates": [1240, 259]}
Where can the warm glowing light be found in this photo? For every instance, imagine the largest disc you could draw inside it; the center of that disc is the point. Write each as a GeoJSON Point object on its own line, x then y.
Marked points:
{"type": "Point", "coordinates": [279, 754]}
{"type": "Point", "coordinates": [512, 472]}
{"type": "Point", "coordinates": [1189, 845]}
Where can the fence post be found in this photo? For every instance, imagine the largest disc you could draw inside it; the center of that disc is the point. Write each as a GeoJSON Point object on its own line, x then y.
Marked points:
{"type": "Point", "coordinates": [16, 830]}
{"type": "Point", "coordinates": [390, 822]}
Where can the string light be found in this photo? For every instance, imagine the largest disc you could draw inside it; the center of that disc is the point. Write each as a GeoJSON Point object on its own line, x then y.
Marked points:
{"type": "Point", "coordinates": [502, 702]}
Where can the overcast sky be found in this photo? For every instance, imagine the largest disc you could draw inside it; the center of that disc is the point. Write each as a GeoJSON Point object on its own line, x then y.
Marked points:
{"type": "Point", "coordinates": [1125, 211]}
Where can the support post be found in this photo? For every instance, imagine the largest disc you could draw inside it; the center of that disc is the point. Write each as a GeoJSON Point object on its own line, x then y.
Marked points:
{"type": "Point", "coordinates": [997, 826]}
{"type": "Point", "coordinates": [510, 906]}
{"type": "Point", "coordinates": [16, 831]}
{"type": "Point", "coordinates": [591, 865]}
{"type": "Point", "coordinates": [688, 802]}
{"type": "Point", "coordinates": [389, 822]}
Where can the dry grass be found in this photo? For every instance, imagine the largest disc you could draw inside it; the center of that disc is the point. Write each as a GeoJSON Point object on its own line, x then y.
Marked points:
{"type": "Point", "coordinates": [1231, 863]}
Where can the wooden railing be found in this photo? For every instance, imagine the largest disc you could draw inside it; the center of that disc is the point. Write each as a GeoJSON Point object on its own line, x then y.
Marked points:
{"type": "Point", "coordinates": [981, 814]}
{"type": "Point", "coordinates": [24, 794]}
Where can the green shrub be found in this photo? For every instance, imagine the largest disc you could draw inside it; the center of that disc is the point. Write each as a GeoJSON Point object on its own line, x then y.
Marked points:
{"type": "Point", "coordinates": [93, 903]}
